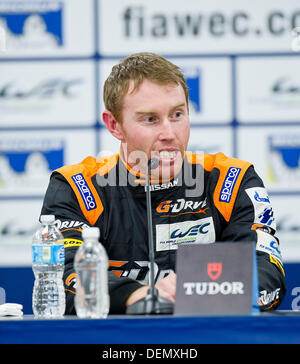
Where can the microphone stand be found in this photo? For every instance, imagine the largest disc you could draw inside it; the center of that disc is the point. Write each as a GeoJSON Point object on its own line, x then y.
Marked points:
{"type": "Point", "coordinates": [152, 303]}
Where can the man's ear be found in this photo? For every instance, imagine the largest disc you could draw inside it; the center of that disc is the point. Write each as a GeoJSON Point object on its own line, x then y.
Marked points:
{"type": "Point", "coordinates": [112, 125]}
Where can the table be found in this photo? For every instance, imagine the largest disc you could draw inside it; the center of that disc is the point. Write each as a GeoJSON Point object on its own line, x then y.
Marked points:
{"type": "Point", "coordinates": [263, 328]}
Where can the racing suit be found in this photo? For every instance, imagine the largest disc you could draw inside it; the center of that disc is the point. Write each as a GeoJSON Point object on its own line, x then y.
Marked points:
{"type": "Point", "coordinates": [222, 196]}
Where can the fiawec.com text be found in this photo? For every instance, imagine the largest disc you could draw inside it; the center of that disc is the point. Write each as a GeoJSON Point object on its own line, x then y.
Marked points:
{"type": "Point", "coordinates": [142, 22]}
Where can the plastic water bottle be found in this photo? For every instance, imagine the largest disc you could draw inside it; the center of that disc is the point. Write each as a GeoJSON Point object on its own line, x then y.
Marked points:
{"type": "Point", "coordinates": [91, 265]}
{"type": "Point", "coordinates": [48, 258]}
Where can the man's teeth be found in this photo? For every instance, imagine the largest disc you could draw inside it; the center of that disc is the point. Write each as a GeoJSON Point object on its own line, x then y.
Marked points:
{"type": "Point", "coordinates": [167, 154]}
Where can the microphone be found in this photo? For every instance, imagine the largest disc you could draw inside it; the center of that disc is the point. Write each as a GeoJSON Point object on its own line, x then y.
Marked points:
{"type": "Point", "coordinates": [152, 303]}
{"type": "Point", "coordinates": [153, 163]}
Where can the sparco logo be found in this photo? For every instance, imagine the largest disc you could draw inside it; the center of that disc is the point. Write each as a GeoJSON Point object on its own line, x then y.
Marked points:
{"type": "Point", "coordinates": [214, 271]}
{"type": "Point", "coordinates": [228, 185]}
{"type": "Point", "coordinates": [85, 191]}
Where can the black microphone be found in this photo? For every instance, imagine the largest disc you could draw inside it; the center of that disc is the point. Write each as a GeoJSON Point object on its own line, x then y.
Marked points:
{"type": "Point", "coordinates": [152, 303]}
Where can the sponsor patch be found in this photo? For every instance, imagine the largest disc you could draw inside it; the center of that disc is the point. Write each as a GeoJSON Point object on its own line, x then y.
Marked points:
{"type": "Point", "coordinates": [229, 183]}
{"type": "Point", "coordinates": [181, 206]}
{"type": "Point", "coordinates": [85, 191]}
{"type": "Point", "coordinates": [170, 236]}
{"type": "Point", "coordinates": [70, 224]}
{"type": "Point", "coordinates": [69, 243]}
{"type": "Point", "coordinates": [268, 244]}
{"type": "Point", "coordinates": [263, 212]}
{"type": "Point", "coordinates": [163, 186]}
{"type": "Point", "coordinates": [269, 298]}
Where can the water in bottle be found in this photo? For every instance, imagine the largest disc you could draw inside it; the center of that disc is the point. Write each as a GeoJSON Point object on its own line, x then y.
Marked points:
{"type": "Point", "coordinates": [48, 258]}
{"type": "Point", "coordinates": [91, 265]}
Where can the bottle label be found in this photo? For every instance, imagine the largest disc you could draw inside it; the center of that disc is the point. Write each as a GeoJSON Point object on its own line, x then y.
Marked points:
{"type": "Point", "coordinates": [48, 254]}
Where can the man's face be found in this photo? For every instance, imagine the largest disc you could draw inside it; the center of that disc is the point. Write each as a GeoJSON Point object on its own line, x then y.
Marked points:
{"type": "Point", "coordinates": [155, 124]}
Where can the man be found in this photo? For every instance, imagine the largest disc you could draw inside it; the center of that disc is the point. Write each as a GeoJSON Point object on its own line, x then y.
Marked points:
{"type": "Point", "coordinates": [147, 109]}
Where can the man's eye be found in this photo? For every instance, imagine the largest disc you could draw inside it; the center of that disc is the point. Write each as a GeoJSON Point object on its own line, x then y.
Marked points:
{"type": "Point", "coordinates": [177, 114]}
{"type": "Point", "coordinates": [150, 119]}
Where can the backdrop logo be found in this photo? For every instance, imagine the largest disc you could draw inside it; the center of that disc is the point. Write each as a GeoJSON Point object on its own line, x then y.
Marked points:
{"type": "Point", "coordinates": [288, 90]}
{"type": "Point", "coordinates": [25, 164]}
{"type": "Point", "coordinates": [214, 270]}
{"type": "Point", "coordinates": [284, 161]}
{"type": "Point", "coordinates": [193, 80]}
{"type": "Point", "coordinates": [32, 25]}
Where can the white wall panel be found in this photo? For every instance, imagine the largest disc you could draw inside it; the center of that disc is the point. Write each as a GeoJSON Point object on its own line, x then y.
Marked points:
{"type": "Point", "coordinates": [52, 93]}
{"type": "Point", "coordinates": [268, 89]}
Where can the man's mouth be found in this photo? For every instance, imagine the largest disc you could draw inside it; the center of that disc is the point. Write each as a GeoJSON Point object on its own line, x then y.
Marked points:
{"type": "Point", "coordinates": [168, 154]}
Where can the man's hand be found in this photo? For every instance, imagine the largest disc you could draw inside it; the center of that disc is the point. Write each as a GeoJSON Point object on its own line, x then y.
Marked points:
{"type": "Point", "coordinates": [166, 289]}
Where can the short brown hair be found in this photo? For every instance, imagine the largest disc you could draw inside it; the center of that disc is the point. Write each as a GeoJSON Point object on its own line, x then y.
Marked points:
{"type": "Point", "coordinates": [138, 67]}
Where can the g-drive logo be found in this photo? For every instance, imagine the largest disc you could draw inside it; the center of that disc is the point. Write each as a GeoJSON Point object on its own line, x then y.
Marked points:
{"type": "Point", "coordinates": [228, 185]}
{"type": "Point", "coordinates": [85, 191]}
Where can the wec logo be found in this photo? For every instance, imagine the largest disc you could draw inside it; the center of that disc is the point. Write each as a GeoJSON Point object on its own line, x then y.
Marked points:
{"type": "Point", "coordinates": [192, 231]}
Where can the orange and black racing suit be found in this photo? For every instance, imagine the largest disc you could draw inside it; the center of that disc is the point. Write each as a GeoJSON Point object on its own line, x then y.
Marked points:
{"type": "Point", "coordinates": [223, 197]}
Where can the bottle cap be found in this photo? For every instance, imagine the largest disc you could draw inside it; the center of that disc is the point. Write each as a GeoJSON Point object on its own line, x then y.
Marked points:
{"type": "Point", "coordinates": [92, 232]}
{"type": "Point", "coordinates": [47, 219]}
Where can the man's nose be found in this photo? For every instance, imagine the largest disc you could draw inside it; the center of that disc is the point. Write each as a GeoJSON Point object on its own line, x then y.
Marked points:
{"type": "Point", "coordinates": [167, 131]}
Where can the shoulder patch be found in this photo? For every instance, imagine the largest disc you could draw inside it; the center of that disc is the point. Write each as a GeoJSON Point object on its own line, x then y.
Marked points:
{"type": "Point", "coordinates": [85, 192]}
{"type": "Point", "coordinates": [228, 184]}
{"type": "Point", "coordinates": [232, 171]}
{"type": "Point", "coordinates": [79, 177]}
{"type": "Point", "coordinates": [263, 212]}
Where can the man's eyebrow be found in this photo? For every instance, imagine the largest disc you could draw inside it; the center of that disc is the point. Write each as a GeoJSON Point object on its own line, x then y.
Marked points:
{"type": "Point", "coordinates": [141, 112]}
{"type": "Point", "coordinates": [179, 105]}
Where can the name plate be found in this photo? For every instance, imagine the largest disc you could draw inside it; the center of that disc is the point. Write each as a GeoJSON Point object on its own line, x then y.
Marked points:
{"type": "Point", "coordinates": [217, 279]}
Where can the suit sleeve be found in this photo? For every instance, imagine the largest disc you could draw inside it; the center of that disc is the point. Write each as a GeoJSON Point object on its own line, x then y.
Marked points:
{"type": "Point", "coordinates": [253, 219]}
{"type": "Point", "coordinates": [61, 201]}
